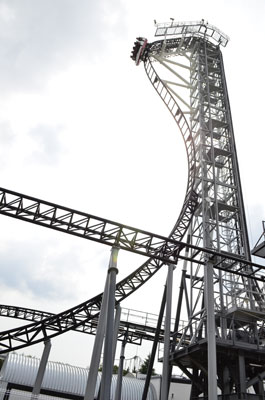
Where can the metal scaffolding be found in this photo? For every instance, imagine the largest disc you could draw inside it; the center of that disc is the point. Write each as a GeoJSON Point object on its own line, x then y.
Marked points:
{"type": "Point", "coordinates": [221, 348]}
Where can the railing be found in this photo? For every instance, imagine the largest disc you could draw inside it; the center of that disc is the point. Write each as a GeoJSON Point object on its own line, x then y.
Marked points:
{"type": "Point", "coordinates": [14, 394]}
{"type": "Point", "coordinates": [236, 329]}
{"type": "Point", "coordinates": [198, 28]}
{"type": "Point", "coordinates": [144, 319]}
{"type": "Point", "coordinates": [239, 293]}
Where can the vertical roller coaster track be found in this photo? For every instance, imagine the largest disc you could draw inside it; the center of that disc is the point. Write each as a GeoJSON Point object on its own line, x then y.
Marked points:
{"type": "Point", "coordinates": [60, 218]}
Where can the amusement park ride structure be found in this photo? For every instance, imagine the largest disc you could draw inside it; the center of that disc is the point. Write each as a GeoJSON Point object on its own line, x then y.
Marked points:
{"type": "Point", "coordinates": [221, 348]}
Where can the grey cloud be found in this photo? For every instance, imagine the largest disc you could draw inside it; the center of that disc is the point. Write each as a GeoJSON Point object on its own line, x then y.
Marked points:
{"type": "Point", "coordinates": [6, 133]}
{"type": "Point", "coordinates": [28, 271]}
{"type": "Point", "coordinates": [38, 36]}
{"type": "Point", "coordinates": [48, 144]}
{"type": "Point", "coordinates": [6, 141]}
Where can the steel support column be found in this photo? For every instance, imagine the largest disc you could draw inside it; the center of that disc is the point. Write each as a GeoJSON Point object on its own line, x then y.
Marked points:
{"type": "Point", "coordinates": [154, 347]}
{"type": "Point", "coordinates": [165, 371]}
{"type": "Point", "coordinates": [41, 370]}
{"type": "Point", "coordinates": [120, 371]}
{"type": "Point", "coordinates": [211, 341]}
{"type": "Point", "coordinates": [242, 375]}
{"type": "Point", "coordinates": [109, 337]}
{"type": "Point", "coordinates": [116, 330]}
{"type": "Point", "coordinates": [98, 343]}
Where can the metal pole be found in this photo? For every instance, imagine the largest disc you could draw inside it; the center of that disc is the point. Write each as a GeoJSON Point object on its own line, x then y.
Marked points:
{"type": "Point", "coordinates": [7, 392]}
{"type": "Point", "coordinates": [212, 372]}
{"type": "Point", "coordinates": [154, 347]}
{"type": "Point", "coordinates": [179, 306]}
{"type": "Point", "coordinates": [115, 338]}
{"type": "Point", "coordinates": [165, 371]}
{"type": "Point", "coordinates": [181, 290]}
{"type": "Point", "coordinates": [108, 344]}
{"type": "Point", "coordinates": [95, 359]}
{"type": "Point", "coordinates": [41, 371]}
{"type": "Point", "coordinates": [116, 330]}
{"type": "Point", "coordinates": [177, 320]}
{"type": "Point", "coordinates": [242, 375]}
{"type": "Point", "coordinates": [120, 371]}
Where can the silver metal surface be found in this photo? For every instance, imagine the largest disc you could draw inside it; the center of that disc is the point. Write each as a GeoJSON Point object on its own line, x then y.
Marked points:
{"type": "Point", "coordinates": [97, 348]}
{"type": "Point", "coordinates": [109, 334]}
{"type": "Point", "coordinates": [61, 378]}
{"type": "Point", "coordinates": [42, 368]}
{"type": "Point", "coordinates": [165, 371]}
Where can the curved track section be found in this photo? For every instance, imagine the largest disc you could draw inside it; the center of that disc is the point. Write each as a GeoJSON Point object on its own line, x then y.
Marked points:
{"type": "Point", "coordinates": [191, 197]}
{"type": "Point", "coordinates": [79, 315]}
{"type": "Point", "coordinates": [134, 332]}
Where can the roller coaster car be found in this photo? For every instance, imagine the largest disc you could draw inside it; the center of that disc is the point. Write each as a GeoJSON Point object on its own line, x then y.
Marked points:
{"type": "Point", "coordinates": [138, 49]}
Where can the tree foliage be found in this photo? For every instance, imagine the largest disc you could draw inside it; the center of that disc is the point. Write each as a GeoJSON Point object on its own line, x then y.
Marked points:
{"type": "Point", "coordinates": [144, 366]}
{"type": "Point", "coordinates": [116, 369]}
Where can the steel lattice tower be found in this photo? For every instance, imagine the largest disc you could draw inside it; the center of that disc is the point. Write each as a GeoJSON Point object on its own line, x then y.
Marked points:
{"type": "Point", "coordinates": [221, 347]}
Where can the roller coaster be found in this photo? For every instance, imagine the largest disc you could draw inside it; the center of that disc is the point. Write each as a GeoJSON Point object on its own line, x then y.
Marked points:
{"type": "Point", "coordinates": [221, 297]}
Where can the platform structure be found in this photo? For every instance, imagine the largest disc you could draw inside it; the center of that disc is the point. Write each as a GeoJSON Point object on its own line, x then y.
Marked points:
{"type": "Point", "coordinates": [222, 347]}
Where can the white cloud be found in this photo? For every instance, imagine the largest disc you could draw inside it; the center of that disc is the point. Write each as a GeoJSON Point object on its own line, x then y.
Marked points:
{"type": "Point", "coordinates": [48, 146]}
{"type": "Point", "coordinates": [40, 37]}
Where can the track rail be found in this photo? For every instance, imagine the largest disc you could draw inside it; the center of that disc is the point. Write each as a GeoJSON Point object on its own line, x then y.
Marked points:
{"type": "Point", "coordinates": [104, 231]}
{"type": "Point", "coordinates": [160, 250]}
{"type": "Point", "coordinates": [90, 227]}
{"type": "Point", "coordinates": [191, 198]}
{"type": "Point", "coordinates": [134, 332]}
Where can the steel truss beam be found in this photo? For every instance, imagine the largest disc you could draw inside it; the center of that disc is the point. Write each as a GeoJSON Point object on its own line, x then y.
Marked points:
{"type": "Point", "coordinates": [160, 250]}
{"type": "Point", "coordinates": [110, 233]}
{"type": "Point", "coordinates": [134, 332]}
{"type": "Point", "coordinates": [90, 227]}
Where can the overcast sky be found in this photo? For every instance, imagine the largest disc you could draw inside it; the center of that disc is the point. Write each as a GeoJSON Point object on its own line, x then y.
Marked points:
{"type": "Point", "coordinates": [81, 126]}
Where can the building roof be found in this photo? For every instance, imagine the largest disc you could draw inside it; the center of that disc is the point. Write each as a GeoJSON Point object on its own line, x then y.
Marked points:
{"type": "Point", "coordinates": [64, 378]}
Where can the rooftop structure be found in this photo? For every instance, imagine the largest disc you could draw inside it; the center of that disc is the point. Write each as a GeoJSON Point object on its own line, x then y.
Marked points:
{"type": "Point", "coordinates": [62, 381]}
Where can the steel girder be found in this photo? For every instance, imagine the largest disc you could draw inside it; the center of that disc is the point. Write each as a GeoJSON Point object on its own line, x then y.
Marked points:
{"type": "Point", "coordinates": [160, 250]}
{"type": "Point", "coordinates": [134, 332]}
{"type": "Point", "coordinates": [110, 233]}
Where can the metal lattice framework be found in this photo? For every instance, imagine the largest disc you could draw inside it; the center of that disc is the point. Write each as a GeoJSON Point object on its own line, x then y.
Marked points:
{"type": "Point", "coordinates": [220, 295]}
{"type": "Point", "coordinates": [135, 326]}
{"type": "Point", "coordinates": [158, 248]}
{"type": "Point", "coordinates": [222, 309]}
